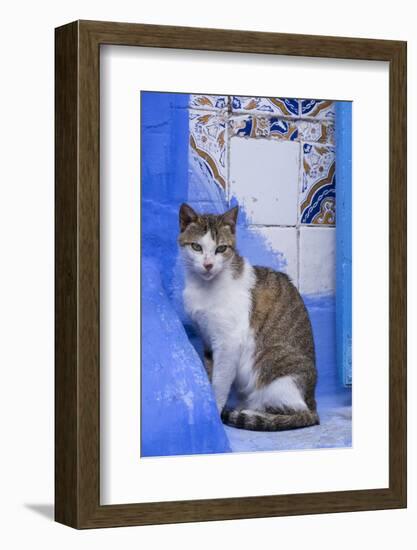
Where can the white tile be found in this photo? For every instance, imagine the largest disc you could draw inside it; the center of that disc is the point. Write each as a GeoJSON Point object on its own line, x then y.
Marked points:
{"type": "Point", "coordinates": [317, 260]}
{"type": "Point", "coordinates": [282, 244]}
{"type": "Point", "coordinates": [264, 179]}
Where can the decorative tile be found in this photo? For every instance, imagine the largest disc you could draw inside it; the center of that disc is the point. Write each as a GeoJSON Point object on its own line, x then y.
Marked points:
{"type": "Point", "coordinates": [318, 191]}
{"type": "Point", "coordinates": [208, 142]}
{"type": "Point", "coordinates": [312, 131]}
{"type": "Point", "coordinates": [268, 105]}
{"type": "Point", "coordinates": [283, 129]}
{"type": "Point", "coordinates": [262, 126]}
{"type": "Point", "coordinates": [317, 271]}
{"type": "Point", "coordinates": [264, 179]}
{"type": "Point", "coordinates": [209, 102]}
{"type": "Point", "coordinates": [318, 108]}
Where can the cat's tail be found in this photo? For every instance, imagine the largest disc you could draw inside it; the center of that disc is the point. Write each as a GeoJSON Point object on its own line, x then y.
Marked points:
{"type": "Point", "coordinates": [247, 419]}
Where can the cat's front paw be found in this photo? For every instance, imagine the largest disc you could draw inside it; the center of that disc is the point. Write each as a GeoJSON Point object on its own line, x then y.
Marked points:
{"type": "Point", "coordinates": [224, 415]}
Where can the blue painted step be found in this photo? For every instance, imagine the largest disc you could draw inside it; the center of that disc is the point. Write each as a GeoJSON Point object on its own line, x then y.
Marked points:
{"type": "Point", "coordinates": [179, 413]}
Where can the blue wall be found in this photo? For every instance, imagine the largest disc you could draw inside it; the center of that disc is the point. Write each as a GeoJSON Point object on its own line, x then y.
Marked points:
{"type": "Point", "coordinates": [344, 240]}
{"type": "Point", "coordinates": [178, 415]}
{"type": "Point", "coordinates": [164, 176]}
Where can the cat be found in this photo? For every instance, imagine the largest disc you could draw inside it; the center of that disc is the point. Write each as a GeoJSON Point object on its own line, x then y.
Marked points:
{"type": "Point", "coordinates": [254, 325]}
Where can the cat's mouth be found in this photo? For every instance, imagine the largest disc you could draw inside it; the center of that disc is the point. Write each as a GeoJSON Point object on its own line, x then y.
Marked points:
{"type": "Point", "coordinates": [207, 275]}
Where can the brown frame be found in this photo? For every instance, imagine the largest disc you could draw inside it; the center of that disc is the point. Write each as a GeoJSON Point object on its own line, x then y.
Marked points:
{"type": "Point", "coordinates": [77, 358]}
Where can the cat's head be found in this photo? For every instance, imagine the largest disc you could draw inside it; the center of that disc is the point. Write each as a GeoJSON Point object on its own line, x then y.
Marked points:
{"type": "Point", "coordinates": [207, 241]}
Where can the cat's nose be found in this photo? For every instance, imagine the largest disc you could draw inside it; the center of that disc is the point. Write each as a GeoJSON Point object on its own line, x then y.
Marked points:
{"type": "Point", "coordinates": [208, 266]}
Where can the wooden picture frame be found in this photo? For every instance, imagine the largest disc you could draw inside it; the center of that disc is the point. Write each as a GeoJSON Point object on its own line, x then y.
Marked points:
{"type": "Point", "coordinates": [77, 382]}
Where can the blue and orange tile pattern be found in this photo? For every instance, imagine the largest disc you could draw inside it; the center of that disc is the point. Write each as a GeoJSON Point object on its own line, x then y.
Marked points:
{"type": "Point", "coordinates": [215, 119]}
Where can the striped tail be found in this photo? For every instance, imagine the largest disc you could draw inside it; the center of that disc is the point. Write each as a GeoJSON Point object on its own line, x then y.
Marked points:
{"type": "Point", "coordinates": [247, 419]}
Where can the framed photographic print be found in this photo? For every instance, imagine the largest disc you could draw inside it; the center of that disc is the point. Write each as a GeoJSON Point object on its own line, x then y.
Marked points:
{"type": "Point", "coordinates": [230, 274]}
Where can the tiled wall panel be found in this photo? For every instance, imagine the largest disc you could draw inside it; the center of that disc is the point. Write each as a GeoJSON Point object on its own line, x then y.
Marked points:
{"type": "Point", "coordinates": [276, 157]}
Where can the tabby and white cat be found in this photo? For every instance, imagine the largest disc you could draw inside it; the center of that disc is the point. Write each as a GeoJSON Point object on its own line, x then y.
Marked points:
{"type": "Point", "coordinates": [254, 325]}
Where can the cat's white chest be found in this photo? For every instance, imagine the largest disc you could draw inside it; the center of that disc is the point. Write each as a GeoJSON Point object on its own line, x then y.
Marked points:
{"type": "Point", "coordinates": [222, 309]}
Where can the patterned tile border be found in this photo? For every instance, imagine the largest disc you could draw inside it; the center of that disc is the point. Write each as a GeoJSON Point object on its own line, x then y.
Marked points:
{"type": "Point", "coordinates": [312, 131]}
{"type": "Point", "coordinates": [308, 121]}
{"type": "Point", "coordinates": [318, 108]}
{"type": "Point", "coordinates": [208, 141]}
{"type": "Point", "coordinates": [266, 105]}
{"type": "Point", "coordinates": [298, 130]}
{"type": "Point", "coordinates": [318, 193]}
{"type": "Point", "coordinates": [322, 109]}
{"type": "Point", "coordinates": [261, 126]}
{"type": "Point", "coordinates": [209, 102]}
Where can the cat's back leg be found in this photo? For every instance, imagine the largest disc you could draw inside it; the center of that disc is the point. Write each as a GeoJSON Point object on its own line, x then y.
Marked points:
{"type": "Point", "coordinates": [287, 402]}
{"type": "Point", "coordinates": [282, 394]}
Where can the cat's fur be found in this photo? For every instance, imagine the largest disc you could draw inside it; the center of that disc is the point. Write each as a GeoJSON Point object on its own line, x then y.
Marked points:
{"type": "Point", "coordinates": [254, 325]}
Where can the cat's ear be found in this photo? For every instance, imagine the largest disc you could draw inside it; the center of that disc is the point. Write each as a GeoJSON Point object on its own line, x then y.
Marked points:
{"type": "Point", "coordinates": [230, 218]}
{"type": "Point", "coordinates": [187, 215]}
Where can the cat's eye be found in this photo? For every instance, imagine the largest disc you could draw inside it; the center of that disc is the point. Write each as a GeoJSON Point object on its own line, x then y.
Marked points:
{"type": "Point", "coordinates": [196, 247]}
{"type": "Point", "coordinates": [220, 249]}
